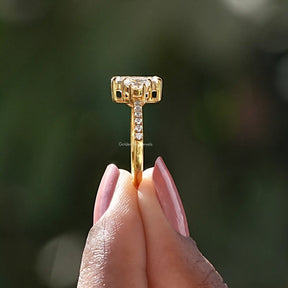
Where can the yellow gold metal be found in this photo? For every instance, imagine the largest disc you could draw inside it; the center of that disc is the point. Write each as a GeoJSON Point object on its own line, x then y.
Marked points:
{"type": "Point", "coordinates": [136, 91]}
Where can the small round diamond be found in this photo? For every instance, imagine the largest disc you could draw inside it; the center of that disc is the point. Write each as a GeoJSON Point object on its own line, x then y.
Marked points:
{"type": "Point", "coordinates": [138, 114]}
{"type": "Point", "coordinates": [138, 121]}
{"type": "Point", "coordinates": [138, 108]}
{"type": "Point", "coordinates": [138, 128]}
{"type": "Point", "coordinates": [139, 136]}
{"type": "Point", "coordinates": [118, 80]}
{"type": "Point", "coordinates": [155, 79]}
{"type": "Point", "coordinates": [137, 102]}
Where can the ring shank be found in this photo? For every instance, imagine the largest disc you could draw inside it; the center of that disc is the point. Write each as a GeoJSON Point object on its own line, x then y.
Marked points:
{"type": "Point", "coordinates": [136, 153]}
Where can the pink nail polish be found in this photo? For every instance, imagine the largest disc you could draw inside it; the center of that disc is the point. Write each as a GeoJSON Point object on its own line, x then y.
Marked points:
{"type": "Point", "coordinates": [105, 191]}
{"type": "Point", "coordinates": [169, 198]}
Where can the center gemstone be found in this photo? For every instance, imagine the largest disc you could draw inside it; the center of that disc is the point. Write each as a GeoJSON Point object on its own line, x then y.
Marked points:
{"type": "Point", "coordinates": [137, 83]}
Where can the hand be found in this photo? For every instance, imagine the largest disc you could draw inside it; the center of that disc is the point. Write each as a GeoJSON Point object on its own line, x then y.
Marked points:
{"type": "Point", "coordinates": [141, 238]}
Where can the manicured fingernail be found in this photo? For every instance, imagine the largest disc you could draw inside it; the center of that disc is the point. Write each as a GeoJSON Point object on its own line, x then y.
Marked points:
{"type": "Point", "coordinates": [105, 191]}
{"type": "Point", "coordinates": [169, 198]}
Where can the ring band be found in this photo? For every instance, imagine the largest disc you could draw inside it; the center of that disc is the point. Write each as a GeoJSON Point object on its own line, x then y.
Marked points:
{"type": "Point", "coordinates": [136, 91]}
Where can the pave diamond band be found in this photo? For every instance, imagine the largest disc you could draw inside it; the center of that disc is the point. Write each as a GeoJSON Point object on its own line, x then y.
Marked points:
{"type": "Point", "coordinates": [138, 121]}
{"type": "Point", "coordinates": [136, 91]}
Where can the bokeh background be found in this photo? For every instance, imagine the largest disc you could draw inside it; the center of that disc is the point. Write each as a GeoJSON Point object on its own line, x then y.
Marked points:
{"type": "Point", "coordinates": [222, 127]}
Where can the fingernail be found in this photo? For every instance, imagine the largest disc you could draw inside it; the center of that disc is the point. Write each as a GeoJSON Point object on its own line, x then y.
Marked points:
{"type": "Point", "coordinates": [105, 191]}
{"type": "Point", "coordinates": [169, 198]}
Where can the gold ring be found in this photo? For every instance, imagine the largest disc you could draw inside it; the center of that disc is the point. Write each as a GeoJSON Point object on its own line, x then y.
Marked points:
{"type": "Point", "coordinates": [136, 91]}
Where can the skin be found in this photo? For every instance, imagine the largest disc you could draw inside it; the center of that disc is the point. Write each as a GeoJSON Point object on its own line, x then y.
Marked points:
{"type": "Point", "coordinates": [134, 245]}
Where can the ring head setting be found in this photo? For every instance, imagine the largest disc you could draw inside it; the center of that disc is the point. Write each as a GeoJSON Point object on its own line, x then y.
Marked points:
{"type": "Point", "coordinates": [127, 89]}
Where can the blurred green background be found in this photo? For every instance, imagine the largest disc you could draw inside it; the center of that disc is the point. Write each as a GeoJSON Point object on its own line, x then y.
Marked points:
{"type": "Point", "coordinates": [222, 127]}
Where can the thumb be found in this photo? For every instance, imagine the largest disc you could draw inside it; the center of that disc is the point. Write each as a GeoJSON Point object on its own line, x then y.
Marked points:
{"type": "Point", "coordinates": [114, 254]}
